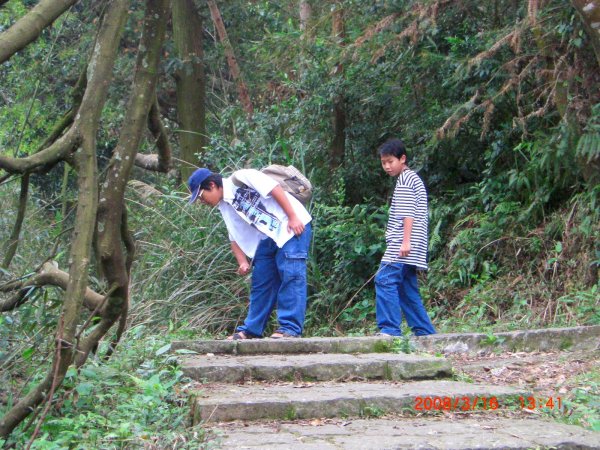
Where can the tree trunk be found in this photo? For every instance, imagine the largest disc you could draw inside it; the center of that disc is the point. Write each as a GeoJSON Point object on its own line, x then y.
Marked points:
{"type": "Point", "coordinates": [191, 84]}
{"type": "Point", "coordinates": [306, 26]}
{"type": "Point", "coordinates": [86, 124]}
{"type": "Point", "coordinates": [231, 60]}
{"type": "Point", "coordinates": [338, 145]}
{"type": "Point", "coordinates": [160, 162]}
{"type": "Point", "coordinates": [13, 241]}
{"type": "Point", "coordinates": [589, 12]}
{"type": "Point", "coordinates": [113, 240]}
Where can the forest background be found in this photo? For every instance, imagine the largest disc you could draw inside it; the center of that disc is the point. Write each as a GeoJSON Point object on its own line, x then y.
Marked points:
{"type": "Point", "coordinates": [106, 106]}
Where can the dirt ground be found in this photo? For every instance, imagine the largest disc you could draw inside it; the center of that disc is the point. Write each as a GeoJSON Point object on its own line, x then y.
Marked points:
{"type": "Point", "coordinates": [572, 377]}
{"type": "Point", "coordinates": [549, 374]}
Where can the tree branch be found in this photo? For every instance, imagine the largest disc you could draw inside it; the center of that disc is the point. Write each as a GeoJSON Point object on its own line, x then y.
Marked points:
{"type": "Point", "coordinates": [231, 59]}
{"type": "Point", "coordinates": [162, 161]}
{"type": "Point", "coordinates": [49, 275]}
{"type": "Point", "coordinates": [31, 25]}
{"type": "Point", "coordinates": [51, 155]}
{"type": "Point", "coordinates": [13, 241]}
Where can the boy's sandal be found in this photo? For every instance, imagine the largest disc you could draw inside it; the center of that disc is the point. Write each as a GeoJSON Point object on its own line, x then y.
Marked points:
{"type": "Point", "coordinates": [242, 336]}
{"type": "Point", "coordinates": [278, 334]}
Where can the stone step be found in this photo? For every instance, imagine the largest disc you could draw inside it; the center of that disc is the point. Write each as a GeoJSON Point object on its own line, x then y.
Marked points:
{"type": "Point", "coordinates": [367, 344]}
{"type": "Point", "coordinates": [573, 338]}
{"type": "Point", "coordinates": [289, 401]}
{"type": "Point", "coordinates": [315, 367]}
{"type": "Point", "coordinates": [447, 432]}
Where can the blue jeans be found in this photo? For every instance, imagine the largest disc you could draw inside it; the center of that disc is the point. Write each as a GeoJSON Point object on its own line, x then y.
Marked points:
{"type": "Point", "coordinates": [279, 278]}
{"type": "Point", "coordinates": [397, 293]}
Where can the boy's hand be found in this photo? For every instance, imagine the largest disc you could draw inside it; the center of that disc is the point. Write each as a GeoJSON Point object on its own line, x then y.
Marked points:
{"type": "Point", "coordinates": [405, 249]}
{"type": "Point", "coordinates": [295, 225]}
{"type": "Point", "coordinates": [243, 269]}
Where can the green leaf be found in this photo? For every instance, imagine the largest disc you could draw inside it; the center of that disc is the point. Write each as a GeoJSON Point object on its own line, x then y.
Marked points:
{"type": "Point", "coordinates": [84, 388]}
{"type": "Point", "coordinates": [185, 351]}
{"type": "Point", "coordinates": [27, 354]}
{"type": "Point", "coordinates": [163, 349]}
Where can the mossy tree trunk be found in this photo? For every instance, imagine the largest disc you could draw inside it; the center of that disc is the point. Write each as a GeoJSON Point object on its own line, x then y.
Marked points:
{"type": "Point", "coordinates": [191, 84]}
{"type": "Point", "coordinates": [100, 209]}
{"type": "Point", "coordinates": [84, 161]}
{"type": "Point", "coordinates": [338, 145]}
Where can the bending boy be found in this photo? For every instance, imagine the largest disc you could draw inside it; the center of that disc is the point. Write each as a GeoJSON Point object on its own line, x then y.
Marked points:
{"type": "Point", "coordinates": [271, 227]}
{"type": "Point", "coordinates": [397, 291]}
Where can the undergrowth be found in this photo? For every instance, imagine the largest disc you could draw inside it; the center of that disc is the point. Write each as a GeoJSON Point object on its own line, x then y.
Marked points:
{"type": "Point", "coordinates": [582, 404]}
{"type": "Point", "coordinates": [135, 400]}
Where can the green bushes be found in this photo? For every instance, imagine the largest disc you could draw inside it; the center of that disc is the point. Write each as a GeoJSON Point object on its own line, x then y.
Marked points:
{"type": "Point", "coordinates": [347, 247]}
{"type": "Point", "coordinates": [132, 401]}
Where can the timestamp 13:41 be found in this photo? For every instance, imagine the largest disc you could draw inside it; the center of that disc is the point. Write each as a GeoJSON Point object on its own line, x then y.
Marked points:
{"type": "Point", "coordinates": [533, 403]}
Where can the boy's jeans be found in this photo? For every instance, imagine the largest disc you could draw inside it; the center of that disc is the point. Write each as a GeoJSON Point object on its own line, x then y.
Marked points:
{"type": "Point", "coordinates": [279, 278]}
{"type": "Point", "coordinates": [397, 292]}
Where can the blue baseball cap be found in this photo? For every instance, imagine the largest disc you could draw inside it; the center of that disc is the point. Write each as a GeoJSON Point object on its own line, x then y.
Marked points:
{"type": "Point", "coordinates": [195, 180]}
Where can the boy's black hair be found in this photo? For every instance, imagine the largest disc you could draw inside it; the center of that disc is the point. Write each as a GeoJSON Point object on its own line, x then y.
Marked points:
{"type": "Point", "coordinates": [216, 178]}
{"type": "Point", "coordinates": [394, 147]}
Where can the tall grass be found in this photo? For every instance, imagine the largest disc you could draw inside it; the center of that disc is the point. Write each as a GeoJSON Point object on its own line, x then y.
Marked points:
{"type": "Point", "coordinates": [184, 272]}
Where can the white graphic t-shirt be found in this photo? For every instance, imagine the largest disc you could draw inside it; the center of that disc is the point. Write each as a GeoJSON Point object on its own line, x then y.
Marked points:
{"type": "Point", "coordinates": [252, 214]}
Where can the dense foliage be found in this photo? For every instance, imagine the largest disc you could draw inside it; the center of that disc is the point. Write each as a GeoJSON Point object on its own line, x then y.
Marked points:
{"type": "Point", "coordinates": [501, 119]}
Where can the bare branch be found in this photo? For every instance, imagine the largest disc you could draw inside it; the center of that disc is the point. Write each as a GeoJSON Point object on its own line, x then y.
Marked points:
{"type": "Point", "coordinates": [453, 123]}
{"type": "Point", "coordinates": [493, 49]}
{"type": "Point", "coordinates": [231, 59]}
{"type": "Point", "coordinates": [49, 275]}
{"type": "Point", "coordinates": [31, 25]}
{"type": "Point", "coordinates": [383, 24]}
{"type": "Point", "coordinates": [162, 161]}
{"type": "Point", "coordinates": [51, 155]}
{"type": "Point", "coordinates": [13, 241]}
{"type": "Point", "coordinates": [411, 31]}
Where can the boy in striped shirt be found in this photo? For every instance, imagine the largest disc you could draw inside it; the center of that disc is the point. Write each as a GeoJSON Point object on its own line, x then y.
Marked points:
{"type": "Point", "coordinates": [397, 291]}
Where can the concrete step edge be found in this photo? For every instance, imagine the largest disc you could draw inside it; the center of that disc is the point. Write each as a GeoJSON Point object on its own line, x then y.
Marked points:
{"type": "Point", "coordinates": [349, 400]}
{"type": "Point", "coordinates": [550, 339]}
{"type": "Point", "coordinates": [316, 367]}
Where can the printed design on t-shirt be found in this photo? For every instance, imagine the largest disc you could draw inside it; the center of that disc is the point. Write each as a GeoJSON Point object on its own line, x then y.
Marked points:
{"type": "Point", "coordinates": [247, 201]}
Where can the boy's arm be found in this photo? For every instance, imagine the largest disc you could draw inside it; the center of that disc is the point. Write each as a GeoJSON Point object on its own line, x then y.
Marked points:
{"type": "Point", "coordinates": [294, 224]}
{"type": "Point", "coordinates": [405, 247]}
{"type": "Point", "coordinates": [240, 256]}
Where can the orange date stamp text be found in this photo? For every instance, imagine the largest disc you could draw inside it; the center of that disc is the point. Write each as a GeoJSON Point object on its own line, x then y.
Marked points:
{"type": "Point", "coordinates": [464, 403]}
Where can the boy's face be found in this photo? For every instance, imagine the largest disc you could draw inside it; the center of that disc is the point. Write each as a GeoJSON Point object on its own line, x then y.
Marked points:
{"type": "Point", "coordinates": [393, 166]}
{"type": "Point", "coordinates": [211, 196]}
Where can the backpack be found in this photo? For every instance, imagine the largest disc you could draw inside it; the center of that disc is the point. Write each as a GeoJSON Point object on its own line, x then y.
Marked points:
{"type": "Point", "coordinates": [289, 178]}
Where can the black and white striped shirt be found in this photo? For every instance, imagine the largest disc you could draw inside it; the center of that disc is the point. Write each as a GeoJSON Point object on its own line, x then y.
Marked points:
{"type": "Point", "coordinates": [409, 200]}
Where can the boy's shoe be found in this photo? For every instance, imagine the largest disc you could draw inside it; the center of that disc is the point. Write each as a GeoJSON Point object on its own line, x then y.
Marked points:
{"type": "Point", "coordinates": [243, 336]}
{"type": "Point", "coordinates": [278, 334]}
{"type": "Point", "coordinates": [381, 333]}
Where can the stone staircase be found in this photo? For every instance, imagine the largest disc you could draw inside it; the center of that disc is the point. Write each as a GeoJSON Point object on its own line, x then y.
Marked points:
{"type": "Point", "coordinates": [351, 393]}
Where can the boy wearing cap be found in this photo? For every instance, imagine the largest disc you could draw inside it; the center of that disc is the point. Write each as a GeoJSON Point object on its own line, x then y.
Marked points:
{"type": "Point", "coordinates": [396, 288]}
{"type": "Point", "coordinates": [271, 227]}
